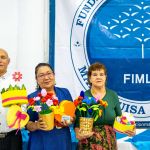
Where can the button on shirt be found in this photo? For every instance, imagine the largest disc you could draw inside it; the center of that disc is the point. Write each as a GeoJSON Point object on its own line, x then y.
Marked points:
{"type": "Point", "coordinates": [4, 82]}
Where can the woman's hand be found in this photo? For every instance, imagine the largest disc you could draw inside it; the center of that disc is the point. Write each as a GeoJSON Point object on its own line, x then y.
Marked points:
{"type": "Point", "coordinates": [81, 136]}
{"type": "Point", "coordinates": [66, 123]}
{"type": "Point", "coordinates": [131, 133]}
{"type": "Point", "coordinates": [38, 125]}
{"type": "Point", "coordinates": [31, 126]}
{"type": "Point", "coordinates": [41, 125]}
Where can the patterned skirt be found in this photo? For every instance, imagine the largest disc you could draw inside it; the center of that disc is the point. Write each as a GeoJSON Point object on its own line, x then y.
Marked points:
{"type": "Point", "coordinates": [104, 138]}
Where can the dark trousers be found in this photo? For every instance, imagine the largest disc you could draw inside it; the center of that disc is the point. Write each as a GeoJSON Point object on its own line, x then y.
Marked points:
{"type": "Point", "coordinates": [11, 141]}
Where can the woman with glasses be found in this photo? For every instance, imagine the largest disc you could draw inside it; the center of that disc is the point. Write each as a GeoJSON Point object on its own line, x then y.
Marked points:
{"type": "Point", "coordinates": [103, 136]}
{"type": "Point", "coordinates": [39, 139]}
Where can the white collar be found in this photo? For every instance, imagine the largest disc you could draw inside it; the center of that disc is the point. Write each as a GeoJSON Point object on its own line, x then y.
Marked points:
{"type": "Point", "coordinates": [3, 77]}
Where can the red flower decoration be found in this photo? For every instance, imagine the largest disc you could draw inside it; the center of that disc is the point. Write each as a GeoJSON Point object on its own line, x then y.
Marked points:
{"type": "Point", "coordinates": [50, 95]}
{"type": "Point", "coordinates": [39, 94]}
{"type": "Point", "coordinates": [78, 101]}
{"type": "Point", "coordinates": [31, 101]}
{"type": "Point", "coordinates": [55, 102]}
{"type": "Point", "coordinates": [17, 76]}
{"type": "Point", "coordinates": [43, 99]}
{"type": "Point", "coordinates": [80, 98]}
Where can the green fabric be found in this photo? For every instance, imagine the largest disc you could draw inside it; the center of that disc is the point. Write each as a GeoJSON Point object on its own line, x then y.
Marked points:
{"type": "Point", "coordinates": [109, 113]}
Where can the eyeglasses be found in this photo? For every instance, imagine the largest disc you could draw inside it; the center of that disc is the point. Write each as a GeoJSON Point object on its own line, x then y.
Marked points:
{"type": "Point", "coordinates": [42, 76]}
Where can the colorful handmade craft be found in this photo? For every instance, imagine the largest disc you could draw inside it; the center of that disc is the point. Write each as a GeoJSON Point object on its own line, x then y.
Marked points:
{"type": "Point", "coordinates": [64, 111]}
{"type": "Point", "coordinates": [13, 97]}
{"type": "Point", "coordinates": [91, 109]}
{"type": "Point", "coordinates": [46, 103]}
{"type": "Point", "coordinates": [42, 104]}
{"type": "Point", "coordinates": [124, 122]}
{"type": "Point", "coordinates": [16, 118]}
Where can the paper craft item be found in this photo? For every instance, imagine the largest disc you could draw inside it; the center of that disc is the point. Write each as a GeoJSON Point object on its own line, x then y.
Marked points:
{"type": "Point", "coordinates": [16, 118]}
{"type": "Point", "coordinates": [14, 95]}
{"type": "Point", "coordinates": [48, 119]}
{"type": "Point", "coordinates": [65, 118]}
{"type": "Point", "coordinates": [66, 108]}
{"type": "Point", "coordinates": [124, 123]}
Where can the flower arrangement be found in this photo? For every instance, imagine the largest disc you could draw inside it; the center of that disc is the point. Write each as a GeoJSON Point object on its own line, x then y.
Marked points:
{"type": "Point", "coordinates": [50, 110]}
{"type": "Point", "coordinates": [90, 107]}
{"type": "Point", "coordinates": [43, 102]}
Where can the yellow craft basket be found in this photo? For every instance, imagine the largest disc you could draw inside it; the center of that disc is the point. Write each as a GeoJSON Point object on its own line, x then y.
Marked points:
{"type": "Point", "coordinates": [48, 119]}
{"type": "Point", "coordinates": [86, 125]}
{"type": "Point", "coordinates": [122, 127]}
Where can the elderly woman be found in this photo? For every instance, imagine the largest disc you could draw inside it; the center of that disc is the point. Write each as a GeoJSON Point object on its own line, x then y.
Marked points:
{"type": "Point", "coordinates": [103, 136]}
{"type": "Point", "coordinates": [39, 139]}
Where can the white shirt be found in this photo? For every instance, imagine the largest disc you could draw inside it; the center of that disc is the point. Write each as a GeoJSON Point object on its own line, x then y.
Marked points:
{"type": "Point", "coordinates": [5, 81]}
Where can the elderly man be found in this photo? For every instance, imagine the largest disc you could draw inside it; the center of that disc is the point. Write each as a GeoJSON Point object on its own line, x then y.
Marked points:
{"type": "Point", "coordinates": [9, 140]}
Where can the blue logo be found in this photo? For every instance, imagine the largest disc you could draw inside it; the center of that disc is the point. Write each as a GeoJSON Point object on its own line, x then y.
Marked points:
{"type": "Point", "coordinates": [116, 33]}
